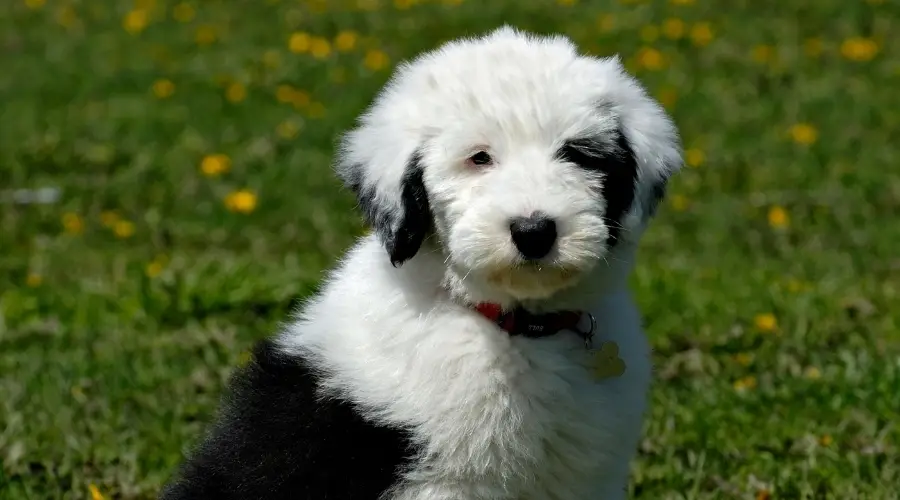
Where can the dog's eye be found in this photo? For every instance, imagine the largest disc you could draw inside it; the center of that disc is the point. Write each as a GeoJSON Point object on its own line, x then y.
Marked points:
{"type": "Point", "coordinates": [481, 158]}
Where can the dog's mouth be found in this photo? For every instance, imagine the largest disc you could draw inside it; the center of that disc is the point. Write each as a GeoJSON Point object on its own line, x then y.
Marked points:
{"type": "Point", "coordinates": [532, 280]}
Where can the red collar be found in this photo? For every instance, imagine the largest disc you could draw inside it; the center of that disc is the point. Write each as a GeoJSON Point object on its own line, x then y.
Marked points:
{"type": "Point", "coordinates": [521, 322]}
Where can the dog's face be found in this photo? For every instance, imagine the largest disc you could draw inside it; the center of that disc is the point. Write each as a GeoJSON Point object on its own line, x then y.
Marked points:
{"type": "Point", "coordinates": [530, 163]}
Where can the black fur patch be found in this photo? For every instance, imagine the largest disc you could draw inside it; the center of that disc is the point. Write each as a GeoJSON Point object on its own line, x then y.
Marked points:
{"type": "Point", "coordinates": [403, 232]}
{"type": "Point", "coordinates": [619, 168]}
{"type": "Point", "coordinates": [277, 438]}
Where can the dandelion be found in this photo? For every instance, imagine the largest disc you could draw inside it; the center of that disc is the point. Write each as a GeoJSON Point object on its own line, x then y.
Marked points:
{"type": "Point", "coordinates": [667, 97]}
{"type": "Point", "coordinates": [154, 268]}
{"type": "Point", "coordinates": [95, 492]}
{"type": "Point", "coordinates": [216, 164]}
{"type": "Point", "coordinates": [287, 129]}
{"type": "Point", "coordinates": [163, 88]}
{"type": "Point", "coordinates": [649, 33]}
{"type": "Point", "coordinates": [183, 12]}
{"type": "Point", "coordinates": [271, 58]}
{"type": "Point", "coordinates": [694, 157]}
{"type": "Point", "coordinates": [320, 48]}
{"type": "Point", "coordinates": [34, 280]}
{"type": "Point", "coordinates": [123, 229]}
{"type": "Point", "coordinates": [701, 34]}
{"type": "Point", "coordinates": [743, 358]}
{"type": "Point", "coordinates": [66, 16]}
{"type": "Point", "coordinates": [236, 92]}
{"type": "Point", "coordinates": [812, 373]}
{"type": "Point", "coordinates": [376, 60]}
{"type": "Point", "coordinates": [826, 440]}
{"type": "Point", "coordinates": [299, 42]}
{"type": "Point", "coordinates": [205, 35]}
{"type": "Point", "coordinates": [765, 322]}
{"type": "Point", "coordinates": [34, 4]}
{"type": "Point", "coordinates": [745, 383]}
{"type": "Point", "coordinates": [135, 21]}
{"type": "Point", "coordinates": [242, 201]}
{"type": "Point", "coordinates": [72, 223]}
{"type": "Point", "coordinates": [316, 110]}
{"type": "Point", "coordinates": [778, 217]}
{"type": "Point", "coordinates": [804, 133]}
{"type": "Point", "coordinates": [109, 218]}
{"type": "Point", "coordinates": [762, 53]}
{"type": "Point", "coordinates": [650, 58]}
{"type": "Point", "coordinates": [673, 28]}
{"type": "Point", "coordinates": [812, 47]}
{"type": "Point", "coordinates": [859, 49]}
{"type": "Point", "coordinates": [346, 40]}
{"type": "Point", "coordinates": [679, 202]}
{"type": "Point", "coordinates": [606, 23]}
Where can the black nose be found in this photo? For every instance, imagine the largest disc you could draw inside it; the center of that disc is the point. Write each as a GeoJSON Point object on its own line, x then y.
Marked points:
{"type": "Point", "coordinates": [534, 236]}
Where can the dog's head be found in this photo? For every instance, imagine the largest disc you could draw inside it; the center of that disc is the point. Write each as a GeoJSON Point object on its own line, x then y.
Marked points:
{"type": "Point", "coordinates": [529, 162]}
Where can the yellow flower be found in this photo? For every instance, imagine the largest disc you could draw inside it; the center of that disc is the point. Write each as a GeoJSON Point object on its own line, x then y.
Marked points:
{"type": "Point", "coordinates": [673, 28]}
{"type": "Point", "coordinates": [404, 4]}
{"type": "Point", "coordinates": [650, 58]}
{"type": "Point", "coordinates": [826, 440]}
{"type": "Point", "coordinates": [316, 110]}
{"type": "Point", "coordinates": [242, 201]}
{"type": "Point", "coordinates": [367, 5]}
{"type": "Point", "coordinates": [163, 88]}
{"type": "Point", "coordinates": [299, 42]}
{"type": "Point", "coordinates": [745, 383]}
{"type": "Point", "coordinates": [72, 223]}
{"type": "Point", "coordinates": [66, 16]}
{"type": "Point", "coordinates": [135, 21]}
{"type": "Point", "coordinates": [287, 129]}
{"type": "Point", "coordinates": [213, 165]}
{"type": "Point", "coordinates": [34, 280]}
{"type": "Point", "coordinates": [859, 49]}
{"type": "Point", "coordinates": [345, 41]}
{"type": "Point", "coordinates": [667, 96]}
{"type": "Point", "coordinates": [804, 133]}
{"type": "Point", "coordinates": [606, 23]}
{"type": "Point", "coordinates": [123, 229]}
{"type": "Point", "coordinates": [34, 4]}
{"type": "Point", "coordinates": [701, 34]}
{"type": "Point", "coordinates": [376, 60]}
{"type": "Point", "coordinates": [271, 58]}
{"type": "Point", "coordinates": [812, 373]}
{"type": "Point", "coordinates": [319, 48]}
{"type": "Point", "coordinates": [679, 202]}
{"type": "Point", "coordinates": [812, 47]}
{"type": "Point", "coordinates": [183, 12]}
{"type": "Point", "coordinates": [205, 35]}
{"type": "Point", "coordinates": [236, 92]}
{"type": "Point", "coordinates": [154, 268]}
{"type": "Point", "coordinates": [95, 492]}
{"type": "Point", "coordinates": [694, 157]}
{"type": "Point", "coordinates": [763, 53]}
{"type": "Point", "coordinates": [743, 358]}
{"type": "Point", "coordinates": [778, 217]}
{"type": "Point", "coordinates": [765, 322]}
{"type": "Point", "coordinates": [109, 218]}
{"type": "Point", "coordinates": [649, 33]}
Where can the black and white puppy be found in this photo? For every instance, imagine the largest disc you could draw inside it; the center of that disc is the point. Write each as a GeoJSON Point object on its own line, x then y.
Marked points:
{"type": "Point", "coordinates": [482, 343]}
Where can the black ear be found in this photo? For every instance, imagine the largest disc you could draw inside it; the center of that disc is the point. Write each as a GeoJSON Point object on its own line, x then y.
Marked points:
{"type": "Point", "coordinates": [400, 227]}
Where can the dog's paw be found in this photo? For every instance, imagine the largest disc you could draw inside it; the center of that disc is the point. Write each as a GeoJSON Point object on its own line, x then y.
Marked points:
{"type": "Point", "coordinates": [607, 363]}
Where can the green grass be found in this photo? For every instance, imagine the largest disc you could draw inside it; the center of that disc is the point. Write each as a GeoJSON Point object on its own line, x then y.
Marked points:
{"type": "Point", "coordinates": [114, 348]}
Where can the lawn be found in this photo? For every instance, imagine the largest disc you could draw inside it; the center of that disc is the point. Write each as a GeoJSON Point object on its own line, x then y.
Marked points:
{"type": "Point", "coordinates": [189, 145]}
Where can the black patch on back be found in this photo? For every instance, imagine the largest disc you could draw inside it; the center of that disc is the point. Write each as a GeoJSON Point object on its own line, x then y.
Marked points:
{"type": "Point", "coordinates": [618, 165]}
{"type": "Point", "coordinates": [276, 438]}
{"type": "Point", "coordinates": [401, 231]}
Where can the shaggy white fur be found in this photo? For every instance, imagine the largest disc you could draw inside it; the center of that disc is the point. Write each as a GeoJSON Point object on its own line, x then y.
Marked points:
{"type": "Point", "coordinates": [496, 416]}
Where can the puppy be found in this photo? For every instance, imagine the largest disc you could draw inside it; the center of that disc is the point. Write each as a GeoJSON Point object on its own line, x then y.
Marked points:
{"type": "Point", "coordinates": [482, 342]}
